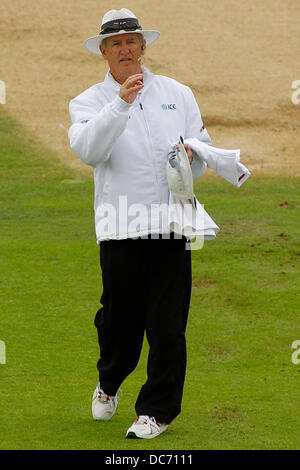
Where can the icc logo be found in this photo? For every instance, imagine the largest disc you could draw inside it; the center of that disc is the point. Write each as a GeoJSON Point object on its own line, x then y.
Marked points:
{"type": "Point", "coordinates": [168, 106]}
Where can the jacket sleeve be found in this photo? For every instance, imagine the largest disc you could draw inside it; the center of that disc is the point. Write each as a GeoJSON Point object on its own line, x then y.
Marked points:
{"type": "Point", "coordinates": [195, 129]}
{"type": "Point", "coordinates": [93, 132]}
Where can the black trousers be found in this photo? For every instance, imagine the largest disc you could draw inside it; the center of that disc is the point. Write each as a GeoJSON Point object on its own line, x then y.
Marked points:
{"type": "Point", "coordinates": [146, 289]}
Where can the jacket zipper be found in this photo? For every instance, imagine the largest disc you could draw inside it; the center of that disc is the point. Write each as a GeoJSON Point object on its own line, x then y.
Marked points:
{"type": "Point", "coordinates": [151, 146]}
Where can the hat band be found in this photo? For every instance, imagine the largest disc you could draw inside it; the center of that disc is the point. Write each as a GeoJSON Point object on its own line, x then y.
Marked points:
{"type": "Point", "coordinates": [126, 24]}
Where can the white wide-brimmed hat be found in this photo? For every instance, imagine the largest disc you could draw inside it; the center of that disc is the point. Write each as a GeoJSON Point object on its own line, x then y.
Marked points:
{"type": "Point", "coordinates": [117, 22]}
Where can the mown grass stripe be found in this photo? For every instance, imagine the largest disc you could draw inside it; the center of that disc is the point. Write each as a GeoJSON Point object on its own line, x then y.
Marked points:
{"type": "Point", "coordinates": [241, 388]}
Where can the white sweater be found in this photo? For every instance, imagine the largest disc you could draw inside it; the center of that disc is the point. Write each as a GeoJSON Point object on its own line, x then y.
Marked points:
{"type": "Point", "coordinates": [127, 146]}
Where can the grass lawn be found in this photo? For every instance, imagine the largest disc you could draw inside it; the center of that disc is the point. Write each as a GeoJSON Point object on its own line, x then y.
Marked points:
{"type": "Point", "coordinates": [242, 389]}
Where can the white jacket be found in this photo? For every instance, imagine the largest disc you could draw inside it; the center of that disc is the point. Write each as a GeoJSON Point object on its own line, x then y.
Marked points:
{"type": "Point", "coordinates": [127, 146]}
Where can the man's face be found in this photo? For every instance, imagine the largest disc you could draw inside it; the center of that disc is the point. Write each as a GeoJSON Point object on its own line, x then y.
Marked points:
{"type": "Point", "coordinates": [123, 54]}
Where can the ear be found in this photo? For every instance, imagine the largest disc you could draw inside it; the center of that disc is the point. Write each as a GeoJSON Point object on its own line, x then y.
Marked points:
{"type": "Point", "coordinates": [102, 50]}
{"type": "Point", "coordinates": [143, 48]}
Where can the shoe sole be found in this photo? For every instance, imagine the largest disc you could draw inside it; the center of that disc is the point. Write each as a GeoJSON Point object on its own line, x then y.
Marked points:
{"type": "Point", "coordinates": [102, 419]}
{"type": "Point", "coordinates": [132, 435]}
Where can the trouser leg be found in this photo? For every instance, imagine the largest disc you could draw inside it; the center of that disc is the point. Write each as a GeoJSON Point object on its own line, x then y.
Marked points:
{"type": "Point", "coordinates": [120, 322]}
{"type": "Point", "coordinates": [146, 287]}
{"type": "Point", "coordinates": [169, 289]}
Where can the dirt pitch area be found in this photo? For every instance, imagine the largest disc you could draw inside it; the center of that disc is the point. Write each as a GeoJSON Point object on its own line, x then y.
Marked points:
{"type": "Point", "coordinates": [240, 58]}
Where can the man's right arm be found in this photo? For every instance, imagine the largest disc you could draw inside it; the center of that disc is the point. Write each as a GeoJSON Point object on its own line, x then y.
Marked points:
{"type": "Point", "coordinates": [93, 132]}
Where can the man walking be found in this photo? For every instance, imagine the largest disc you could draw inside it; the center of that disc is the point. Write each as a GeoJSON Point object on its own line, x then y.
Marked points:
{"type": "Point", "coordinates": [124, 129]}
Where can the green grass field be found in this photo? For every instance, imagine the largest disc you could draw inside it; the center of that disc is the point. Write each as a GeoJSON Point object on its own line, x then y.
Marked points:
{"type": "Point", "coordinates": [242, 389]}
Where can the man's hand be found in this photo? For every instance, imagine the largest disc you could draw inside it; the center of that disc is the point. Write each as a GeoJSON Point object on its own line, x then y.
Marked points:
{"type": "Point", "coordinates": [188, 151]}
{"type": "Point", "coordinates": [131, 87]}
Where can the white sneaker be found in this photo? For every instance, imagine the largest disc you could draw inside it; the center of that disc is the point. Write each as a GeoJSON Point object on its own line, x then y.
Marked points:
{"type": "Point", "coordinates": [103, 406]}
{"type": "Point", "coordinates": [145, 427]}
